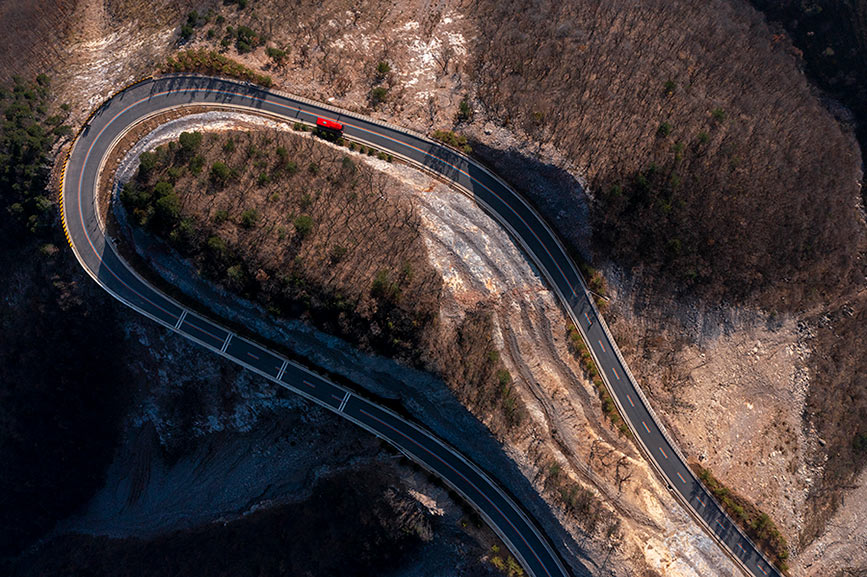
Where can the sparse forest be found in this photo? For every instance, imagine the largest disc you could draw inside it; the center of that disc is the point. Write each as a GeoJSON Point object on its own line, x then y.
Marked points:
{"type": "Point", "coordinates": [712, 166]}
{"type": "Point", "coordinates": [310, 232]}
{"type": "Point", "coordinates": [299, 226]}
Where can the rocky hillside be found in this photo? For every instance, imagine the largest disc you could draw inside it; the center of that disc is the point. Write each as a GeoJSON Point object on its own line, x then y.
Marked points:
{"type": "Point", "coordinates": [768, 275]}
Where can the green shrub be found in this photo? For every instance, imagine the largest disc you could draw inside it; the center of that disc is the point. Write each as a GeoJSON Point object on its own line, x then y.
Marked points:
{"type": "Point", "coordinates": [197, 164]}
{"type": "Point", "coordinates": [504, 377]}
{"type": "Point", "coordinates": [220, 173]}
{"type": "Point", "coordinates": [458, 141]}
{"type": "Point", "coordinates": [235, 275]}
{"type": "Point", "coordinates": [211, 62]}
{"type": "Point", "coordinates": [189, 144]}
{"type": "Point", "coordinates": [147, 163]}
{"type": "Point", "coordinates": [337, 253]}
{"type": "Point", "coordinates": [382, 70]}
{"type": "Point", "coordinates": [168, 211]}
{"type": "Point", "coordinates": [246, 39]}
{"type": "Point", "coordinates": [276, 55]}
{"type": "Point", "coordinates": [663, 130]}
{"type": "Point", "coordinates": [221, 216]}
{"type": "Point", "coordinates": [249, 218]}
{"type": "Point", "coordinates": [217, 246]}
{"type": "Point", "coordinates": [377, 95]}
{"type": "Point", "coordinates": [465, 110]}
{"type": "Point", "coordinates": [303, 225]}
{"type": "Point", "coordinates": [384, 288]}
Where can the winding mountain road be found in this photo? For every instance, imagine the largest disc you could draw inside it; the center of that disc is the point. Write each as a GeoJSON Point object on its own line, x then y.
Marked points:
{"type": "Point", "coordinates": [87, 237]}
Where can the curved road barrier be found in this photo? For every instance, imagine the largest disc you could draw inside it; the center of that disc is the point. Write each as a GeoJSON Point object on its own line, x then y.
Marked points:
{"type": "Point", "coordinates": [87, 237]}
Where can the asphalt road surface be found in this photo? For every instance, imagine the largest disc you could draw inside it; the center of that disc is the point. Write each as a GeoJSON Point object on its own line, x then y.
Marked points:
{"type": "Point", "coordinates": [97, 255]}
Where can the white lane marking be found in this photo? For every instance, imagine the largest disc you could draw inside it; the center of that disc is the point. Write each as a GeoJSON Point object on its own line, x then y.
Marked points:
{"type": "Point", "coordinates": [343, 402]}
{"type": "Point", "coordinates": [282, 369]}
{"type": "Point", "coordinates": [645, 426]}
{"type": "Point", "coordinates": [252, 355]}
{"type": "Point", "coordinates": [616, 376]}
{"type": "Point", "coordinates": [309, 385]}
{"type": "Point", "coordinates": [226, 343]}
{"type": "Point", "coordinates": [762, 569]}
{"type": "Point", "coordinates": [663, 453]}
{"type": "Point", "coordinates": [633, 404]}
{"type": "Point", "coordinates": [682, 480]}
{"type": "Point", "coordinates": [601, 345]}
{"type": "Point", "coordinates": [181, 319]}
{"type": "Point", "coordinates": [586, 316]}
{"type": "Point", "coordinates": [700, 500]}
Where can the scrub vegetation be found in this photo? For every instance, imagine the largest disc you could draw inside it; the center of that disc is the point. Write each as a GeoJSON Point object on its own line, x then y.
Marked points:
{"type": "Point", "coordinates": [211, 62]}
{"type": "Point", "coordinates": [758, 525]}
{"type": "Point", "coordinates": [579, 349]}
{"type": "Point", "coordinates": [584, 506]}
{"type": "Point", "coordinates": [471, 364]}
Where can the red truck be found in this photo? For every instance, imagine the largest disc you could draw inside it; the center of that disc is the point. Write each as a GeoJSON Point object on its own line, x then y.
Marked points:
{"type": "Point", "coordinates": [329, 125]}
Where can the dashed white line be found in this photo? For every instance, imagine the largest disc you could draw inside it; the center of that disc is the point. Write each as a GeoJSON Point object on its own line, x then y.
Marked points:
{"type": "Point", "coordinates": [616, 376]}
{"type": "Point", "coordinates": [282, 369]}
{"type": "Point", "coordinates": [343, 402]}
{"type": "Point", "coordinates": [181, 319]}
{"type": "Point", "coordinates": [645, 426]}
{"type": "Point", "coordinates": [663, 453]}
{"type": "Point", "coordinates": [682, 480]}
{"type": "Point", "coordinates": [226, 344]}
{"type": "Point", "coordinates": [601, 345]}
{"type": "Point", "coordinates": [633, 404]}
